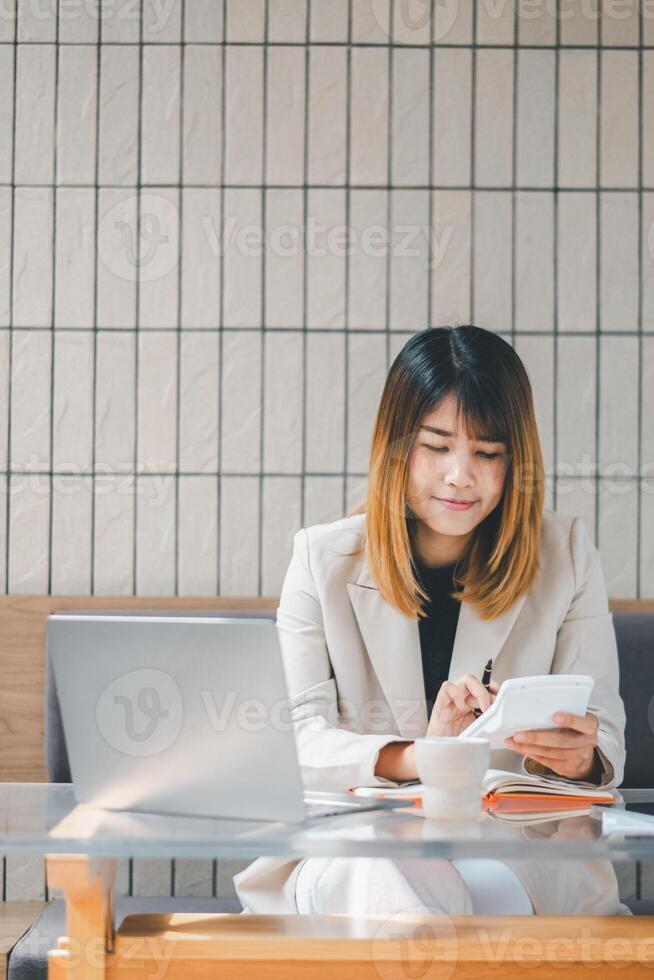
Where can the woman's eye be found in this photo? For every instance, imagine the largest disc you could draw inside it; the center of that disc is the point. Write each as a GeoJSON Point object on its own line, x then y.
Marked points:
{"type": "Point", "coordinates": [443, 449]}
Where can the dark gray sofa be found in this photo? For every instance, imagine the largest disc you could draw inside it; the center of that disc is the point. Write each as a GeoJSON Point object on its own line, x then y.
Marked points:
{"type": "Point", "coordinates": [635, 636]}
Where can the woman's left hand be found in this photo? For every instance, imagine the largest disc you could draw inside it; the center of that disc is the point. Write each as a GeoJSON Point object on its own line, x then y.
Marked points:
{"type": "Point", "coordinates": [568, 751]}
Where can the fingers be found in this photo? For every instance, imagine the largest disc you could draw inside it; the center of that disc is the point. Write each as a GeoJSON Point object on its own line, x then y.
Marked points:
{"type": "Point", "coordinates": [587, 723]}
{"type": "Point", "coordinates": [475, 687]}
{"type": "Point", "coordinates": [554, 737]}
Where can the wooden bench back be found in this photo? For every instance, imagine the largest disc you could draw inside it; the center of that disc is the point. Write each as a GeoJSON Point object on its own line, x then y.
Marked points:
{"type": "Point", "coordinates": [22, 662]}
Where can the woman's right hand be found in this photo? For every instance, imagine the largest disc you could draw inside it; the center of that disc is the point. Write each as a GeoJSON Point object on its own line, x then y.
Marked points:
{"type": "Point", "coordinates": [455, 702]}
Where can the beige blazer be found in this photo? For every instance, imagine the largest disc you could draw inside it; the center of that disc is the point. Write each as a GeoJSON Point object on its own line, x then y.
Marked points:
{"type": "Point", "coordinates": [354, 671]}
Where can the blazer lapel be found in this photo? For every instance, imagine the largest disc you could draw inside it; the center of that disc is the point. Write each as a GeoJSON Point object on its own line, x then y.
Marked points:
{"type": "Point", "coordinates": [392, 641]}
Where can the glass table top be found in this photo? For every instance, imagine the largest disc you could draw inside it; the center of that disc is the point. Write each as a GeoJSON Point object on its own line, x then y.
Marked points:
{"type": "Point", "coordinates": [42, 818]}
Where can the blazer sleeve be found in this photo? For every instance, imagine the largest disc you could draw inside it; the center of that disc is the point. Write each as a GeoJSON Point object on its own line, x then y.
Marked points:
{"type": "Point", "coordinates": [331, 758]}
{"type": "Point", "coordinates": [586, 644]}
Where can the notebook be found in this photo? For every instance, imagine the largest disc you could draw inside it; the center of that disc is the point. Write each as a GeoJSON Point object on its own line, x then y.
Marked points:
{"type": "Point", "coordinates": [505, 792]}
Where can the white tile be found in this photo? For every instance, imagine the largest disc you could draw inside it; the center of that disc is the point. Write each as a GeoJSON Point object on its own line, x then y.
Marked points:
{"type": "Point", "coordinates": [157, 401]}
{"type": "Point", "coordinates": [368, 262]}
{"type": "Point", "coordinates": [619, 120]}
{"type": "Point", "coordinates": [284, 277]}
{"type": "Point", "coordinates": [37, 21]}
{"type": "Point", "coordinates": [245, 20]}
{"type": "Point", "coordinates": [72, 409]}
{"type": "Point", "coordinates": [452, 113]}
{"type": "Point", "coordinates": [25, 878]}
{"type": "Point", "coordinates": [244, 115]}
{"type": "Point", "coordinates": [619, 23]}
{"type": "Point", "coordinates": [452, 22]}
{"type": "Point", "coordinates": [581, 25]}
{"type": "Point", "coordinates": [618, 536]}
{"type": "Point", "coordinates": [162, 21]}
{"type": "Point", "coordinates": [76, 114]}
{"type": "Point", "coordinates": [78, 22]}
{"type": "Point", "coordinates": [647, 414]}
{"type": "Point", "coordinates": [116, 268]}
{"type": "Point", "coordinates": [31, 399]}
{"type": "Point", "coordinates": [5, 339]}
{"type": "Point", "coordinates": [648, 118]}
{"type": "Point", "coordinates": [323, 500]}
{"type": "Point", "coordinates": [151, 876]}
{"type": "Point", "coordinates": [160, 120]}
{"type": "Point", "coordinates": [537, 354]}
{"type": "Point", "coordinates": [203, 20]}
{"type": "Point", "coordinates": [287, 20]}
{"type": "Point", "coordinates": [200, 257]}
{"type": "Point", "coordinates": [32, 258]}
{"type": "Point", "coordinates": [575, 396]}
{"type": "Point", "coordinates": [115, 421]}
{"type": "Point", "coordinates": [114, 534]}
{"type": "Point", "coordinates": [34, 144]}
{"type": "Point", "coordinates": [202, 114]}
{"type": "Point", "coordinates": [534, 273]}
{"type": "Point", "coordinates": [492, 260]}
{"type": "Point", "coordinates": [411, 22]}
{"type": "Point", "coordinates": [3, 532]}
{"type": "Point", "coordinates": [496, 23]}
{"type": "Point", "coordinates": [71, 535]}
{"type": "Point", "coordinates": [119, 108]}
{"type": "Point", "coordinates": [410, 132]}
{"type": "Point", "coordinates": [366, 377]}
{"type": "Point", "coordinates": [493, 118]}
{"type": "Point", "coordinates": [535, 136]}
{"type": "Point", "coordinates": [577, 118]}
{"type": "Point", "coordinates": [8, 23]}
{"type": "Point", "coordinates": [409, 259]}
{"type": "Point", "coordinates": [285, 115]}
{"type": "Point", "coordinates": [536, 23]}
{"type": "Point", "coordinates": [29, 533]}
{"type": "Point", "coordinates": [325, 403]}
{"type": "Point", "coordinates": [283, 397]}
{"type": "Point", "coordinates": [450, 257]}
{"type": "Point", "coordinates": [122, 22]}
{"type": "Point", "coordinates": [193, 877]}
{"type": "Point", "coordinates": [281, 519]}
{"type": "Point", "coordinates": [239, 538]}
{"type": "Point", "coordinates": [648, 260]}
{"type": "Point", "coordinates": [619, 261]}
{"type": "Point", "coordinates": [326, 247]}
{"type": "Point", "coordinates": [577, 498]}
{"type": "Point", "coordinates": [242, 264]}
{"type": "Point", "coordinates": [327, 115]}
{"type": "Point", "coordinates": [369, 116]}
{"type": "Point", "coordinates": [329, 21]}
{"type": "Point", "coordinates": [356, 491]}
{"type": "Point", "coordinates": [158, 259]}
{"type": "Point", "coordinates": [75, 257]}
{"type": "Point", "coordinates": [240, 420]}
{"type": "Point", "coordinates": [198, 538]}
{"type": "Point", "coordinates": [619, 406]}
{"type": "Point", "coordinates": [198, 407]}
{"type": "Point", "coordinates": [227, 868]}
{"type": "Point", "coordinates": [577, 262]}
{"type": "Point", "coordinates": [371, 21]}
{"type": "Point", "coordinates": [155, 535]}
{"type": "Point", "coordinates": [6, 109]}
{"type": "Point", "coordinates": [647, 535]}
{"type": "Point", "coordinates": [5, 254]}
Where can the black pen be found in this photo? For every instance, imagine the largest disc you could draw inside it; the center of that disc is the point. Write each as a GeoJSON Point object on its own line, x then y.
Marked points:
{"type": "Point", "coordinates": [486, 676]}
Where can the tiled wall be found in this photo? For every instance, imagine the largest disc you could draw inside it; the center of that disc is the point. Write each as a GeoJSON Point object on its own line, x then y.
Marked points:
{"type": "Point", "coordinates": [176, 400]}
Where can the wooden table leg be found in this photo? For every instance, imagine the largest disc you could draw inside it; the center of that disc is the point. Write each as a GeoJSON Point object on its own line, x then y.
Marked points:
{"type": "Point", "coordinates": [88, 887]}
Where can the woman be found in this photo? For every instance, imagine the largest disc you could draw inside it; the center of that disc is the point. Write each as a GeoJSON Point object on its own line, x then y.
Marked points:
{"type": "Point", "coordinates": [387, 617]}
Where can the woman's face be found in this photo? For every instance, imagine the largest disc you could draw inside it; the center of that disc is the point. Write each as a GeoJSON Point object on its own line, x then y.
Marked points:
{"type": "Point", "coordinates": [444, 466]}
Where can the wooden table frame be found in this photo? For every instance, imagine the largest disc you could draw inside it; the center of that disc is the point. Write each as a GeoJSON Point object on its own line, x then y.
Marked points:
{"type": "Point", "coordinates": [183, 946]}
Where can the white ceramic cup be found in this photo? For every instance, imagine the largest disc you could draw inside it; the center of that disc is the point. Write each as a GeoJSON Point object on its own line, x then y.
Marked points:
{"type": "Point", "coordinates": [451, 770]}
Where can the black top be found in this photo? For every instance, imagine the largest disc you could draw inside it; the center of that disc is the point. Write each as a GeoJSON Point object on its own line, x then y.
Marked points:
{"type": "Point", "coordinates": [438, 628]}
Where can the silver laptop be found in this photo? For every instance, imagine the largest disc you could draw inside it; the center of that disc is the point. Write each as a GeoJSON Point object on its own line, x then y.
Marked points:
{"type": "Point", "coordinates": [182, 714]}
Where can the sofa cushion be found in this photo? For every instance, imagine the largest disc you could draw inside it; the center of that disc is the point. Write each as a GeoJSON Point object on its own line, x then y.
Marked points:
{"type": "Point", "coordinates": [29, 957]}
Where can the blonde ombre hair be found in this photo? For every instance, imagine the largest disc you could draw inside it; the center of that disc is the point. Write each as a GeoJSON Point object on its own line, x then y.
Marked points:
{"type": "Point", "coordinates": [494, 401]}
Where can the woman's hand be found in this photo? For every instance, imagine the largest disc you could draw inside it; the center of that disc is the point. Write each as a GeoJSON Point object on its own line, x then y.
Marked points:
{"type": "Point", "coordinates": [568, 751]}
{"type": "Point", "coordinates": [455, 702]}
